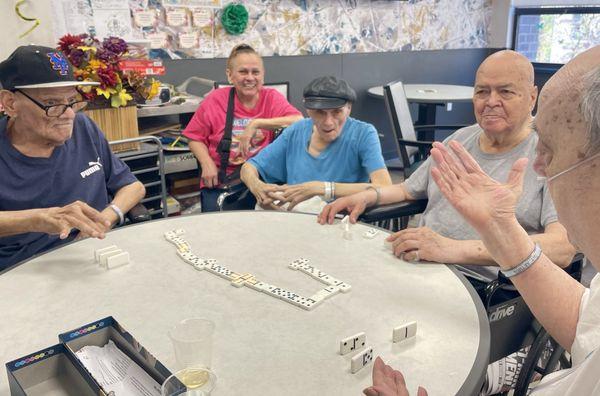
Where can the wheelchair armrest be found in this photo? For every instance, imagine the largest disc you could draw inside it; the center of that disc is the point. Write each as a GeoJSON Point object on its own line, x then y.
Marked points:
{"type": "Point", "coordinates": [394, 210]}
{"type": "Point", "coordinates": [138, 214]}
{"type": "Point", "coordinates": [416, 143]}
{"type": "Point", "coordinates": [426, 127]}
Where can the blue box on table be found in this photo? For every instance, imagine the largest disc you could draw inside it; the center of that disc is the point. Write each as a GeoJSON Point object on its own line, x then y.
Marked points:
{"type": "Point", "coordinates": [53, 370]}
{"type": "Point", "coordinates": [57, 370]}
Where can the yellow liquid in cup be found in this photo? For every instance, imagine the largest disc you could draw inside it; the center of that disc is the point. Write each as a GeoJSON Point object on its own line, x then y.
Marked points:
{"type": "Point", "coordinates": [193, 378]}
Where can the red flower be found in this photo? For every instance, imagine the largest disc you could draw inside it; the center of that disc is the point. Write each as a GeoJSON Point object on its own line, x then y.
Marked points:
{"type": "Point", "coordinates": [69, 42]}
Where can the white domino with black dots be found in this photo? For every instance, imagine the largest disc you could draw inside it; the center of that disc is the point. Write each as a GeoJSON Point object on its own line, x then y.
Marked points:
{"type": "Point", "coordinates": [370, 233]}
{"type": "Point", "coordinates": [334, 286]}
{"type": "Point", "coordinates": [361, 359]}
{"type": "Point", "coordinates": [404, 332]}
{"type": "Point", "coordinates": [352, 343]}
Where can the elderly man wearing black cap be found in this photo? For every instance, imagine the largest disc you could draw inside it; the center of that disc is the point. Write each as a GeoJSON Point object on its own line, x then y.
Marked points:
{"type": "Point", "coordinates": [56, 169]}
{"type": "Point", "coordinates": [327, 155]}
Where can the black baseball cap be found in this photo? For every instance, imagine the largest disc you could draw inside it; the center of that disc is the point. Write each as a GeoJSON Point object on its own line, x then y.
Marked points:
{"type": "Point", "coordinates": [34, 66]}
{"type": "Point", "coordinates": [327, 92]}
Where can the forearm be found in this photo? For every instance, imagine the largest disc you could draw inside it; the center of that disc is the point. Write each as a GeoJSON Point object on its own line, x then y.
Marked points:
{"type": "Point", "coordinates": [390, 194]}
{"type": "Point", "coordinates": [126, 198]}
{"type": "Point", "coordinates": [200, 151]}
{"type": "Point", "coordinates": [274, 123]}
{"type": "Point", "coordinates": [18, 222]}
{"type": "Point", "coordinates": [249, 175]}
{"type": "Point", "coordinates": [552, 295]}
{"type": "Point", "coordinates": [553, 241]}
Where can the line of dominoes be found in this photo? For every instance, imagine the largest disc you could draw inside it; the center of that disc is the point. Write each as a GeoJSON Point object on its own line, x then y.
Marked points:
{"type": "Point", "coordinates": [238, 280]}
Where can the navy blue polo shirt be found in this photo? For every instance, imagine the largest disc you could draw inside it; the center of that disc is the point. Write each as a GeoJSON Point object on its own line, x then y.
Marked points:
{"type": "Point", "coordinates": [82, 169]}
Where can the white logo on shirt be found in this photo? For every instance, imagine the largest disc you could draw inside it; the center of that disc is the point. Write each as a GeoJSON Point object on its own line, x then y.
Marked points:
{"type": "Point", "coordinates": [94, 167]}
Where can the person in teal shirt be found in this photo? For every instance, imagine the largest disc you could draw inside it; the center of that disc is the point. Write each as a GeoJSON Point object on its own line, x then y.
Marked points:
{"type": "Point", "coordinates": [328, 155]}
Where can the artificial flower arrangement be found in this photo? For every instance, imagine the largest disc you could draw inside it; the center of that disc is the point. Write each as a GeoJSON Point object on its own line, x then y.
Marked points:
{"type": "Point", "coordinates": [99, 61]}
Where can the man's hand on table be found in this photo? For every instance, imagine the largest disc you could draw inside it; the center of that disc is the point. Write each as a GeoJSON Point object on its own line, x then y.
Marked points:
{"type": "Point", "coordinates": [354, 204]}
{"type": "Point", "coordinates": [79, 215]}
{"type": "Point", "coordinates": [388, 382]}
{"type": "Point", "coordinates": [422, 243]}
{"type": "Point", "coordinates": [296, 193]}
{"type": "Point", "coordinates": [262, 192]}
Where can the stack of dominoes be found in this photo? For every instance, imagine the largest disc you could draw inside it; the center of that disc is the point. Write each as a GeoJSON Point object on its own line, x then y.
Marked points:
{"type": "Point", "coordinates": [111, 257]}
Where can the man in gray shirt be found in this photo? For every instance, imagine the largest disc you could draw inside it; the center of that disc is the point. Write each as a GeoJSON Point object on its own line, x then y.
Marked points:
{"type": "Point", "coordinates": [503, 100]}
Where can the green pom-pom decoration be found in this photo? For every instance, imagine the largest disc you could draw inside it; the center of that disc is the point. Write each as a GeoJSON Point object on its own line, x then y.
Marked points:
{"type": "Point", "coordinates": [234, 18]}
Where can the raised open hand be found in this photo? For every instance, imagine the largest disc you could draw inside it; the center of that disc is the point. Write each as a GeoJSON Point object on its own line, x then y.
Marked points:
{"type": "Point", "coordinates": [481, 200]}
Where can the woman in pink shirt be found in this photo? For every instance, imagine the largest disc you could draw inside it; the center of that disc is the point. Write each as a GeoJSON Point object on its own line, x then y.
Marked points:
{"type": "Point", "coordinates": [258, 111]}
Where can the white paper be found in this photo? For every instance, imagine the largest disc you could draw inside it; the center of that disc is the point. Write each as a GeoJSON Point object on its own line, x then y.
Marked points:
{"type": "Point", "coordinates": [113, 23]}
{"type": "Point", "coordinates": [116, 372]}
{"type": "Point", "coordinates": [70, 16]}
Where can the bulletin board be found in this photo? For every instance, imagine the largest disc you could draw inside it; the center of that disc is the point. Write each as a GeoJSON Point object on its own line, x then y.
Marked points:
{"type": "Point", "coordinates": [193, 29]}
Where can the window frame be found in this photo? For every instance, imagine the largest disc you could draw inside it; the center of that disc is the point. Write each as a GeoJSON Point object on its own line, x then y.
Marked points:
{"type": "Point", "coordinates": [518, 11]}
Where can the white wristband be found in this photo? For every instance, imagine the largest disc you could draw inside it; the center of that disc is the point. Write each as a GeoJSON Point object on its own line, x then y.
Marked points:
{"type": "Point", "coordinates": [328, 192]}
{"type": "Point", "coordinates": [525, 264]}
{"type": "Point", "coordinates": [119, 213]}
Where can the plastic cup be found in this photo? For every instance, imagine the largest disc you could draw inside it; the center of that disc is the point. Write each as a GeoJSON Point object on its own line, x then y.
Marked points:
{"type": "Point", "coordinates": [190, 382]}
{"type": "Point", "coordinates": [192, 341]}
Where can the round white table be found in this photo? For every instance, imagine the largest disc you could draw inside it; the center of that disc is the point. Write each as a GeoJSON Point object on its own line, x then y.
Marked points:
{"type": "Point", "coordinates": [431, 93]}
{"type": "Point", "coordinates": [429, 96]}
{"type": "Point", "coordinates": [263, 346]}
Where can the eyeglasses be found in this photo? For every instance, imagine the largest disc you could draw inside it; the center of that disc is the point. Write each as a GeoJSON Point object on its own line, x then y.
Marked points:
{"type": "Point", "coordinates": [57, 110]}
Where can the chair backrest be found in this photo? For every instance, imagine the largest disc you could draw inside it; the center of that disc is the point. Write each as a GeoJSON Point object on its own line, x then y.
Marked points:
{"type": "Point", "coordinates": [147, 164]}
{"type": "Point", "coordinates": [283, 87]}
{"type": "Point", "coordinates": [400, 119]}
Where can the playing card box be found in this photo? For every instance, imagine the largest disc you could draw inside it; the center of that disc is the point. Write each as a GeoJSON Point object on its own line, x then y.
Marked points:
{"type": "Point", "coordinates": [100, 332]}
{"type": "Point", "coordinates": [51, 371]}
{"type": "Point", "coordinates": [57, 371]}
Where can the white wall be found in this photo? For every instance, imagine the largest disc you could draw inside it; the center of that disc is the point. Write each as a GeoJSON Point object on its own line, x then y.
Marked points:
{"type": "Point", "coordinates": [11, 26]}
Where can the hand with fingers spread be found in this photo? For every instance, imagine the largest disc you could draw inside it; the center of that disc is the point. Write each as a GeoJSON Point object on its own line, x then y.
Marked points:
{"type": "Point", "coordinates": [422, 243]}
{"type": "Point", "coordinates": [481, 200]}
{"type": "Point", "coordinates": [388, 382]}
{"type": "Point", "coordinates": [79, 215]}
{"type": "Point", "coordinates": [210, 173]}
{"type": "Point", "coordinates": [296, 193]}
{"type": "Point", "coordinates": [354, 204]}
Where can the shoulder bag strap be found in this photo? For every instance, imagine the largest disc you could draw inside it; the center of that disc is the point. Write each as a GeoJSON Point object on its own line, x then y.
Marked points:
{"type": "Point", "coordinates": [225, 145]}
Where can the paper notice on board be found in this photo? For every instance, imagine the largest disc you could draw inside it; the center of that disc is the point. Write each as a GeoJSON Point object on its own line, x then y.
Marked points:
{"type": "Point", "coordinates": [116, 372]}
{"type": "Point", "coordinates": [70, 16]}
{"type": "Point", "coordinates": [113, 23]}
{"type": "Point", "coordinates": [202, 16]}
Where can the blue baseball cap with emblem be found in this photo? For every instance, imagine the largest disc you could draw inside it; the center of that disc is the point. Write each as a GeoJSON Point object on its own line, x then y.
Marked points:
{"type": "Point", "coordinates": [34, 66]}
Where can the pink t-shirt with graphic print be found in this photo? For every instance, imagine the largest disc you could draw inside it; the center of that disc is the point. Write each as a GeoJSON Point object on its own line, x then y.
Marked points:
{"type": "Point", "coordinates": [208, 123]}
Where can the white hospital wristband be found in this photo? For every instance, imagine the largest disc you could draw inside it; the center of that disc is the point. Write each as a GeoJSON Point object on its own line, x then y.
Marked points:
{"type": "Point", "coordinates": [525, 264]}
{"type": "Point", "coordinates": [119, 213]}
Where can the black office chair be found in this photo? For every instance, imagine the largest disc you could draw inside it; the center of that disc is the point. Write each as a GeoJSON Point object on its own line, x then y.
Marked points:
{"type": "Point", "coordinates": [410, 149]}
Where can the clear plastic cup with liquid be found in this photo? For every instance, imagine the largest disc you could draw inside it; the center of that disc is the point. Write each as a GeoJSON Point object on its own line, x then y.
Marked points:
{"type": "Point", "coordinates": [197, 381]}
{"type": "Point", "coordinates": [192, 341]}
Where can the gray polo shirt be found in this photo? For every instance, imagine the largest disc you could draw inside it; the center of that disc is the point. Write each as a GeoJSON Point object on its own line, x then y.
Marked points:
{"type": "Point", "coordinates": [535, 209]}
